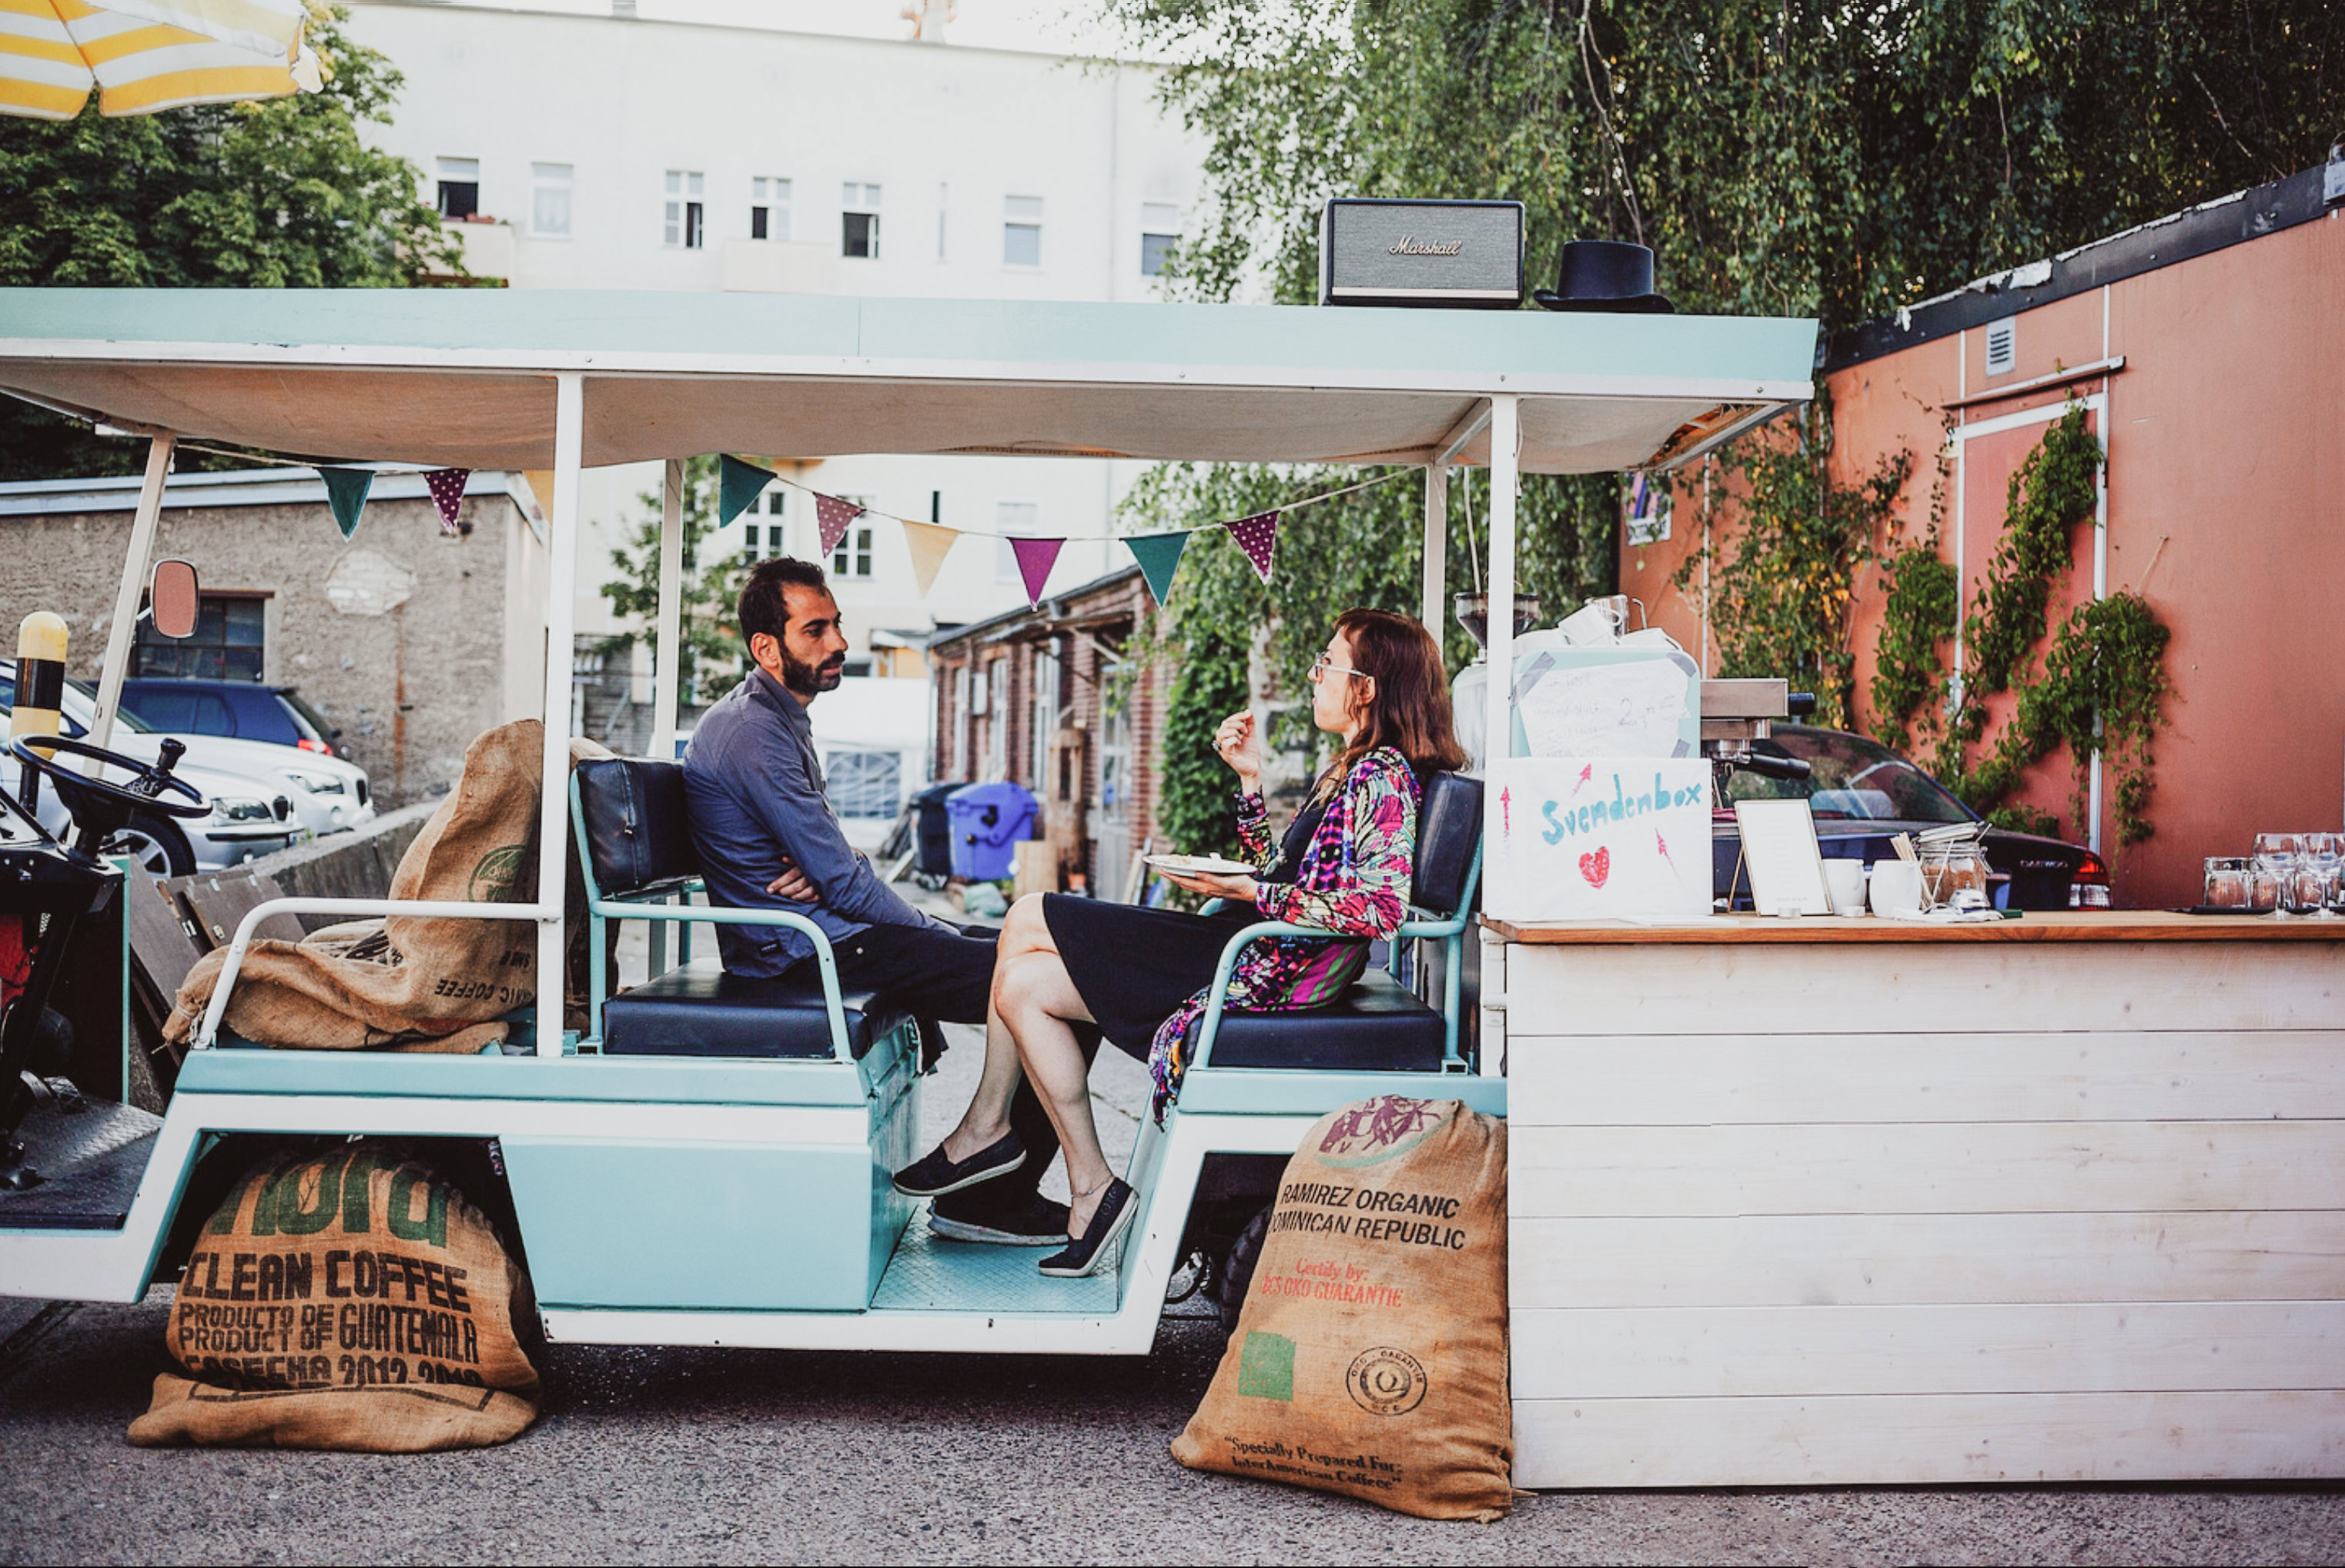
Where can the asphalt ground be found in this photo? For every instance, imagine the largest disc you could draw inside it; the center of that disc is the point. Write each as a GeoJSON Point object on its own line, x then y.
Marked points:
{"type": "Point", "coordinates": [725, 1456]}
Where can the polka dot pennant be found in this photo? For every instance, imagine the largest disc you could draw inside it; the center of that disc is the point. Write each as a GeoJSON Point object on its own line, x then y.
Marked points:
{"type": "Point", "coordinates": [832, 516]}
{"type": "Point", "coordinates": [1258, 537]}
{"type": "Point", "coordinates": [447, 488]}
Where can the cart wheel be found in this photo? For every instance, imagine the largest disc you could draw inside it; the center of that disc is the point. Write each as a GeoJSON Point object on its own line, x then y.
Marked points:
{"type": "Point", "coordinates": [1236, 1276]}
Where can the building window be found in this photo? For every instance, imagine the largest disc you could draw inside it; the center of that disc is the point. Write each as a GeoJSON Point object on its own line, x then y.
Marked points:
{"type": "Point", "coordinates": [769, 209]}
{"type": "Point", "coordinates": [763, 541]}
{"type": "Point", "coordinates": [230, 642]}
{"type": "Point", "coordinates": [1022, 231]}
{"type": "Point", "coordinates": [684, 229]}
{"type": "Point", "coordinates": [459, 188]}
{"type": "Point", "coordinates": [1012, 518]}
{"type": "Point", "coordinates": [859, 221]}
{"type": "Point", "coordinates": [853, 556]}
{"type": "Point", "coordinates": [1159, 231]}
{"type": "Point", "coordinates": [549, 200]}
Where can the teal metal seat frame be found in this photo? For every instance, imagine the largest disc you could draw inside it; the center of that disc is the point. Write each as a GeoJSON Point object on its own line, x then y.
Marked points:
{"type": "Point", "coordinates": [1422, 925]}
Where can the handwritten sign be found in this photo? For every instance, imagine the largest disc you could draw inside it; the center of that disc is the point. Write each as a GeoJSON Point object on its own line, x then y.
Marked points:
{"type": "Point", "coordinates": [1597, 838]}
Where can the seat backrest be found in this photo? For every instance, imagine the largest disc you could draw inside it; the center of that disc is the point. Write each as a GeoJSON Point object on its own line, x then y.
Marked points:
{"type": "Point", "coordinates": [638, 836]}
{"type": "Point", "coordinates": [1448, 832]}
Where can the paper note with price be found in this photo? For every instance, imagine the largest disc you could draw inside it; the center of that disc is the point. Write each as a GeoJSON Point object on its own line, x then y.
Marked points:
{"type": "Point", "coordinates": [1596, 838]}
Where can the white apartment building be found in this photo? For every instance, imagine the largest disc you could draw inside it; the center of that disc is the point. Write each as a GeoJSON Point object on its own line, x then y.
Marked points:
{"type": "Point", "coordinates": [603, 151]}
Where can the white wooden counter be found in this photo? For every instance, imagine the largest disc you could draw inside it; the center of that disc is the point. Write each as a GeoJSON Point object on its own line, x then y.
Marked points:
{"type": "Point", "coordinates": [1850, 1201]}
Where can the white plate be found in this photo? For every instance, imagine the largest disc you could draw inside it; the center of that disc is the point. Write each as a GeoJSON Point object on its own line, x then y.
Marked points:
{"type": "Point", "coordinates": [1213, 864]}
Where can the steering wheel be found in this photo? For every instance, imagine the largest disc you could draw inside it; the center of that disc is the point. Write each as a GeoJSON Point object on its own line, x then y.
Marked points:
{"type": "Point", "coordinates": [100, 807]}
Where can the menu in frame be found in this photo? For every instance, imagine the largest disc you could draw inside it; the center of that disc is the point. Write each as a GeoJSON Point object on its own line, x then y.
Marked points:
{"type": "Point", "coordinates": [1785, 863]}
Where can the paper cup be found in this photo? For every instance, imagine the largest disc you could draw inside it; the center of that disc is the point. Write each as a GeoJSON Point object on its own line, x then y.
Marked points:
{"type": "Point", "coordinates": [1896, 887]}
{"type": "Point", "coordinates": [1844, 879]}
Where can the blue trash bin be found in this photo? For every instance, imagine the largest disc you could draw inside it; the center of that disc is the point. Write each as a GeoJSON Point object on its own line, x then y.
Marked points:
{"type": "Point", "coordinates": [988, 820]}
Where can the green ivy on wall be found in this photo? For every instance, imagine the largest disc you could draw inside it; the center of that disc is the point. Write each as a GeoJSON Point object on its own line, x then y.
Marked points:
{"type": "Point", "coordinates": [2102, 683]}
{"type": "Point", "coordinates": [1783, 589]}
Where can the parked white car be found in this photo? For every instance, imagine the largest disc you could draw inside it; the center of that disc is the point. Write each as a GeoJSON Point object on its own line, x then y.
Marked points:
{"type": "Point", "coordinates": [264, 797]}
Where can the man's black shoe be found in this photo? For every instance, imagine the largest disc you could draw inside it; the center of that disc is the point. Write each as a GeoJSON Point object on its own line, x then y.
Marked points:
{"type": "Point", "coordinates": [1031, 1221]}
{"type": "Point", "coordinates": [939, 1173]}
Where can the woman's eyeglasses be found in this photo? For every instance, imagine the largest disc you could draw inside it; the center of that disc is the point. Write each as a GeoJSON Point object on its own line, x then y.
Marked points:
{"type": "Point", "coordinates": [1323, 664]}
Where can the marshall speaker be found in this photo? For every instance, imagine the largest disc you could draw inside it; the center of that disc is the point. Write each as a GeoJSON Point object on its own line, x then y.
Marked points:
{"type": "Point", "coordinates": [1456, 253]}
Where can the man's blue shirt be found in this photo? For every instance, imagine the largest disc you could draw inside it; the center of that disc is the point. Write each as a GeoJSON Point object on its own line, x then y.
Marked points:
{"type": "Point", "coordinates": [753, 785]}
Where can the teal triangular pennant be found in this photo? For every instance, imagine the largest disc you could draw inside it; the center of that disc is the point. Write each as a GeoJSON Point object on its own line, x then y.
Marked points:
{"type": "Point", "coordinates": [1158, 555]}
{"type": "Point", "coordinates": [346, 493]}
{"type": "Point", "coordinates": [739, 484]}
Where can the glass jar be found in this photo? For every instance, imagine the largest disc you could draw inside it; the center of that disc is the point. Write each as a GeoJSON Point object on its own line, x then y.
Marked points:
{"type": "Point", "coordinates": [1954, 877]}
{"type": "Point", "coordinates": [2226, 882]}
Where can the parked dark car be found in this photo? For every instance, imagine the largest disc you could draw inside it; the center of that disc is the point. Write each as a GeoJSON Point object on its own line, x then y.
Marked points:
{"type": "Point", "coordinates": [243, 709]}
{"type": "Point", "coordinates": [1862, 793]}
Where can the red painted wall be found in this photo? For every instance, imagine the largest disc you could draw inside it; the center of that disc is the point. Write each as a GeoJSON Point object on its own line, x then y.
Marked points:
{"type": "Point", "coordinates": [2226, 482]}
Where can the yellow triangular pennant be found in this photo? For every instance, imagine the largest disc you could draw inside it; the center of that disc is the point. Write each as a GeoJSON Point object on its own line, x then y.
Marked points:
{"type": "Point", "coordinates": [928, 544]}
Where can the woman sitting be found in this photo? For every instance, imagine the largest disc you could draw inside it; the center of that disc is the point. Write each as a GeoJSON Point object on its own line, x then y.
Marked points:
{"type": "Point", "coordinates": [1344, 866]}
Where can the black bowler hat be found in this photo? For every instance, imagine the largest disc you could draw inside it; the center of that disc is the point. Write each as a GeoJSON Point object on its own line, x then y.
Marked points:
{"type": "Point", "coordinates": [1604, 275]}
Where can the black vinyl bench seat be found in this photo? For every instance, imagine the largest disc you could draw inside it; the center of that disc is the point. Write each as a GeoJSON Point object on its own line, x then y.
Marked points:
{"type": "Point", "coordinates": [699, 1010]}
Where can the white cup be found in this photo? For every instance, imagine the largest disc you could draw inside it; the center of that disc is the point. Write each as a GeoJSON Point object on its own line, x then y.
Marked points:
{"type": "Point", "coordinates": [1844, 879]}
{"type": "Point", "coordinates": [1896, 887]}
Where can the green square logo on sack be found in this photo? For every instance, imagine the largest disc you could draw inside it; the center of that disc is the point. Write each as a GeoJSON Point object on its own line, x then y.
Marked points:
{"type": "Point", "coordinates": [1370, 1356]}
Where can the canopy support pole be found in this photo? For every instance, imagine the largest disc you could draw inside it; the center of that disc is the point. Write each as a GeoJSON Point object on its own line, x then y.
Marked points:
{"type": "Point", "coordinates": [553, 779]}
{"type": "Point", "coordinates": [667, 642]}
{"type": "Point", "coordinates": [122, 632]}
{"type": "Point", "coordinates": [1505, 455]}
{"type": "Point", "coordinates": [1436, 546]}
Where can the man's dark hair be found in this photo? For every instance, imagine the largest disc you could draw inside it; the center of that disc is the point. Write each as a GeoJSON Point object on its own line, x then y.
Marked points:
{"type": "Point", "coordinates": [763, 609]}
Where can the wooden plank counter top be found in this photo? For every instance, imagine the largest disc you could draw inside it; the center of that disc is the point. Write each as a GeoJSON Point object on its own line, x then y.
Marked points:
{"type": "Point", "coordinates": [2061, 926]}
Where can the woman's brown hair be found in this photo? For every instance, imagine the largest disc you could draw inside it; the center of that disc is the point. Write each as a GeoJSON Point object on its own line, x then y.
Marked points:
{"type": "Point", "coordinates": [1410, 708]}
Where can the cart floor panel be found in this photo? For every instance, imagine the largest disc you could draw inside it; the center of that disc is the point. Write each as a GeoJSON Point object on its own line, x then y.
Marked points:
{"type": "Point", "coordinates": [931, 1274]}
{"type": "Point", "coordinates": [91, 1160]}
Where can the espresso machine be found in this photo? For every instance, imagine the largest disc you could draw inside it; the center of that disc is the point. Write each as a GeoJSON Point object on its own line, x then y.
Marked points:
{"type": "Point", "coordinates": [1735, 715]}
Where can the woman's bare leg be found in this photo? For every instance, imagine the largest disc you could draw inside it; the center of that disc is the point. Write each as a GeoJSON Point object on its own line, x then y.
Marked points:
{"type": "Point", "coordinates": [987, 1121]}
{"type": "Point", "coordinates": [1033, 995]}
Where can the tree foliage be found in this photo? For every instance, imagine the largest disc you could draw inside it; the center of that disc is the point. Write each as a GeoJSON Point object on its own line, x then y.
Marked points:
{"type": "Point", "coordinates": [280, 194]}
{"type": "Point", "coordinates": [710, 652]}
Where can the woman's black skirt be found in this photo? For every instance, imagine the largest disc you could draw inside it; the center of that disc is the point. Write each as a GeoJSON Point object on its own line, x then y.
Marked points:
{"type": "Point", "coordinates": [1133, 966]}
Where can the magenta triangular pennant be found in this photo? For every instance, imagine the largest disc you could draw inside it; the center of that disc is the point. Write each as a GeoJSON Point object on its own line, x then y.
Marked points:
{"type": "Point", "coordinates": [1035, 558]}
{"type": "Point", "coordinates": [832, 516]}
{"type": "Point", "coordinates": [1258, 537]}
{"type": "Point", "coordinates": [447, 488]}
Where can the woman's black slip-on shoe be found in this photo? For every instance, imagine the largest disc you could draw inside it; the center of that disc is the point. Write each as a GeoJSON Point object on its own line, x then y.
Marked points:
{"type": "Point", "coordinates": [1114, 1216]}
{"type": "Point", "coordinates": [939, 1173]}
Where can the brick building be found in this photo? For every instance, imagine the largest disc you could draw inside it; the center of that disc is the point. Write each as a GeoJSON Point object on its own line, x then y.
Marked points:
{"type": "Point", "coordinates": [1032, 696]}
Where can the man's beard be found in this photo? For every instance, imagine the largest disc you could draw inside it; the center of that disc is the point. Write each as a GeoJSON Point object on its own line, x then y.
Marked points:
{"type": "Point", "coordinates": [812, 680]}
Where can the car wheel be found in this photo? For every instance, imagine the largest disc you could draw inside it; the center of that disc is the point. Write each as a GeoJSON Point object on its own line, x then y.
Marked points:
{"type": "Point", "coordinates": [1236, 1276]}
{"type": "Point", "coordinates": [157, 845]}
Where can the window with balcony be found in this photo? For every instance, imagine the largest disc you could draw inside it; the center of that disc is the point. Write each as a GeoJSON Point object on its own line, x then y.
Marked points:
{"type": "Point", "coordinates": [459, 188]}
{"type": "Point", "coordinates": [769, 210]}
{"type": "Point", "coordinates": [859, 221]}
{"type": "Point", "coordinates": [549, 200]}
{"type": "Point", "coordinates": [1159, 231]}
{"type": "Point", "coordinates": [685, 228]}
{"type": "Point", "coordinates": [1022, 231]}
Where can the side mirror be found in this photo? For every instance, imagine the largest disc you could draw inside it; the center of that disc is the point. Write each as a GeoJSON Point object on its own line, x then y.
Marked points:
{"type": "Point", "coordinates": [172, 593]}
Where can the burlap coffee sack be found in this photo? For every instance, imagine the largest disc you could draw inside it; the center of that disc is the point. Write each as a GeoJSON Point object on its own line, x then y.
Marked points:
{"type": "Point", "coordinates": [1370, 1356]}
{"type": "Point", "coordinates": [425, 984]}
{"type": "Point", "coordinates": [349, 1299]}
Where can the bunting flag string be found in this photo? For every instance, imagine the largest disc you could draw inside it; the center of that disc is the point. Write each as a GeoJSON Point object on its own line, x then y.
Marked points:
{"type": "Point", "coordinates": [346, 493]}
{"type": "Point", "coordinates": [1258, 537]}
{"type": "Point", "coordinates": [447, 488]}
{"type": "Point", "coordinates": [928, 543]}
{"type": "Point", "coordinates": [832, 517]}
{"type": "Point", "coordinates": [1035, 558]}
{"type": "Point", "coordinates": [739, 484]}
{"type": "Point", "coordinates": [1158, 555]}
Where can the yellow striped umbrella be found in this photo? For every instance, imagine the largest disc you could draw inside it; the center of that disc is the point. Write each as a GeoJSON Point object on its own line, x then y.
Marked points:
{"type": "Point", "coordinates": [145, 55]}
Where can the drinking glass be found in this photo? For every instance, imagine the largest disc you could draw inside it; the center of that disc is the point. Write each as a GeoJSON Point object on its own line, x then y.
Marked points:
{"type": "Point", "coordinates": [2226, 882]}
{"type": "Point", "coordinates": [2323, 856]}
{"type": "Point", "coordinates": [2272, 873]}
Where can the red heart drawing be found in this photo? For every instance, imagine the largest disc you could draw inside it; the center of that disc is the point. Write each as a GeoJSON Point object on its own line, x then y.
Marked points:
{"type": "Point", "coordinates": [1596, 867]}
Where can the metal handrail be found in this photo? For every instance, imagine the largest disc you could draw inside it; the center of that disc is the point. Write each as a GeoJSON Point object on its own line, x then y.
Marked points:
{"type": "Point", "coordinates": [435, 909]}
